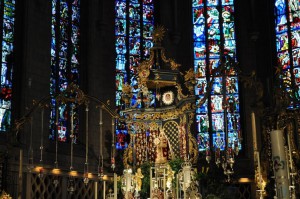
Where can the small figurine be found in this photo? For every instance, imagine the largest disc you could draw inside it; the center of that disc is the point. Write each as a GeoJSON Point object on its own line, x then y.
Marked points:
{"type": "Point", "coordinates": [138, 178]}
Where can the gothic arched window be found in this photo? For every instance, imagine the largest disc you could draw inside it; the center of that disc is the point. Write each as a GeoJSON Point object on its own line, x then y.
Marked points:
{"type": "Point", "coordinates": [134, 22]}
{"type": "Point", "coordinates": [64, 63]}
{"type": "Point", "coordinates": [214, 41]}
{"type": "Point", "coordinates": [287, 22]}
{"type": "Point", "coordinates": [7, 10]}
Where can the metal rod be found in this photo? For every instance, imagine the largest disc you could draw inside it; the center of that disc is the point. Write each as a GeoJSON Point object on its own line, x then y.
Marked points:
{"type": "Point", "coordinates": [56, 137]}
{"type": "Point", "coordinates": [86, 133]}
{"type": "Point", "coordinates": [42, 134]}
{"type": "Point", "coordinates": [72, 136]}
{"type": "Point", "coordinates": [101, 137]}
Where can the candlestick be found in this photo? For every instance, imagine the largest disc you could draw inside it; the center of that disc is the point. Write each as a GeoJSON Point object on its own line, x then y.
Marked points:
{"type": "Point", "coordinates": [289, 129]}
{"type": "Point", "coordinates": [115, 186]}
{"type": "Point", "coordinates": [96, 189]}
{"type": "Point", "coordinates": [254, 131]}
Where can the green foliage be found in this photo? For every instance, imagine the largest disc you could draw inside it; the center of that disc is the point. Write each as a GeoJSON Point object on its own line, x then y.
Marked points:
{"type": "Point", "coordinates": [145, 192]}
{"type": "Point", "coordinates": [176, 164]}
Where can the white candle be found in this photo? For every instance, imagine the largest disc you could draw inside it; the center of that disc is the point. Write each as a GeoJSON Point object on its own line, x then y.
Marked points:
{"type": "Point", "coordinates": [280, 165]}
{"type": "Point", "coordinates": [254, 131]}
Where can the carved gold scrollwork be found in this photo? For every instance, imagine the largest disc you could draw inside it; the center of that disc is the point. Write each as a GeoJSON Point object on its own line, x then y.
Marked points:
{"type": "Point", "coordinates": [190, 80]}
{"type": "Point", "coordinates": [128, 156]}
{"type": "Point", "coordinates": [72, 94]}
{"type": "Point", "coordinates": [193, 149]}
{"type": "Point", "coordinates": [180, 94]}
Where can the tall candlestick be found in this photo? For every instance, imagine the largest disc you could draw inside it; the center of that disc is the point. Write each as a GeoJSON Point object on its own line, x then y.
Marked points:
{"type": "Point", "coordinates": [104, 189]}
{"type": "Point", "coordinates": [115, 186]}
{"type": "Point", "coordinates": [280, 166]}
{"type": "Point", "coordinates": [20, 175]}
{"type": "Point", "coordinates": [254, 131]}
{"type": "Point", "coordinates": [96, 189]}
{"type": "Point", "coordinates": [289, 129]}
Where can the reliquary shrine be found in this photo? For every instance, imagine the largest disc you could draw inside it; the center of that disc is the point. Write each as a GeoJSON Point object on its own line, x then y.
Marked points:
{"type": "Point", "coordinates": [155, 122]}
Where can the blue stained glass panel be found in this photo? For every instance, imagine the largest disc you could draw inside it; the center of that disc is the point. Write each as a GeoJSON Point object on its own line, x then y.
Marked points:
{"type": "Point", "coordinates": [121, 61]}
{"type": "Point", "coordinates": [201, 109]}
{"type": "Point", "coordinates": [134, 46]}
{"type": "Point", "coordinates": [133, 43]}
{"type": "Point", "coordinates": [147, 45]}
{"type": "Point", "coordinates": [148, 13]}
{"type": "Point", "coordinates": [295, 40]}
{"type": "Point", "coordinates": [212, 2]}
{"type": "Point", "coordinates": [134, 11]}
{"type": "Point", "coordinates": [134, 29]}
{"type": "Point", "coordinates": [147, 2]}
{"type": "Point", "coordinates": [218, 122]}
{"type": "Point", "coordinates": [198, 15]}
{"type": "Point", "coordinates": [199, 32]}
{"type": "Point", "coordinates": [214, 31]}
{"type": "Point", "coordinates": [147, 30]}
{"type": "Point", "coordinates": [200, 88]}
{"type": "Point", "coordinates": [120, 9]}
{"type": "Point", "coordinates": [231, 85]}
{"type": "Point", "coordinates": [120, 45]}
{"type": "Point", "coordinates": [8, 23]}
{"type": "Point", "coordinates": [199, 50]}
{"type": "Point", "coordinates": [213, 15]}
{"type": "Point", "coordinates": [197, 3]}
{"type": "Point", "coordinates": [200, 68]}
{"type": "Point", "coordinates": [203, 141]}
{"type": "Point", "coordinates": [295, 25]}
{"type": "Point", "coordinates": [202, 123]}
{"type": "Point", "coordinates": [214, 48]}
{"type": "Point", "coordinates": [217, 87]}
{"type": "Point", "coordinates": [64, 67]}
{"type": "Point", "coordinates": [219, 140]}
{"type": "Point", "coordinates": [120, 27]}
{"type": "Point", "coordinates": [294, 8]}
{"type": "Point", "coordinates": [280, 7]}
{"type": "Point", "coordinates": [296, 57]}
{"type": "Point", "coordinates": [281, 22]}
{"type": "Point", "coordinates": [216, 103]}
{"type": "Point", "coordinates": [282, 42]}
{"type": "Point", "coordinates": [134, 62]}
{"type": "Point", "coordinates": [227, 2]}
{"type": "Point", "coordinates": [284, 59]}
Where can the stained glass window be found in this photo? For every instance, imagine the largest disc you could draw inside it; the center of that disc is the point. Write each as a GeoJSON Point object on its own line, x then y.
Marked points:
{"type": "Point", "coordinates": [134, 22]}
{"type": "Point", "coordinates": [7, 9]}
{"type": "Point", "coordinates": [214, 40]}
{"type": "Point", "coordinates": [64, 63]}
{"type": "Point", "coordinates": [287, 22]}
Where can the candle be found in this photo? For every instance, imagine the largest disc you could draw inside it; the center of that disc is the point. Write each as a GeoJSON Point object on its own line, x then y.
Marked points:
{"type": "Point", "coordinates": [254, 131]}
{"type": "Point", "coordinates": [280, 166]}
